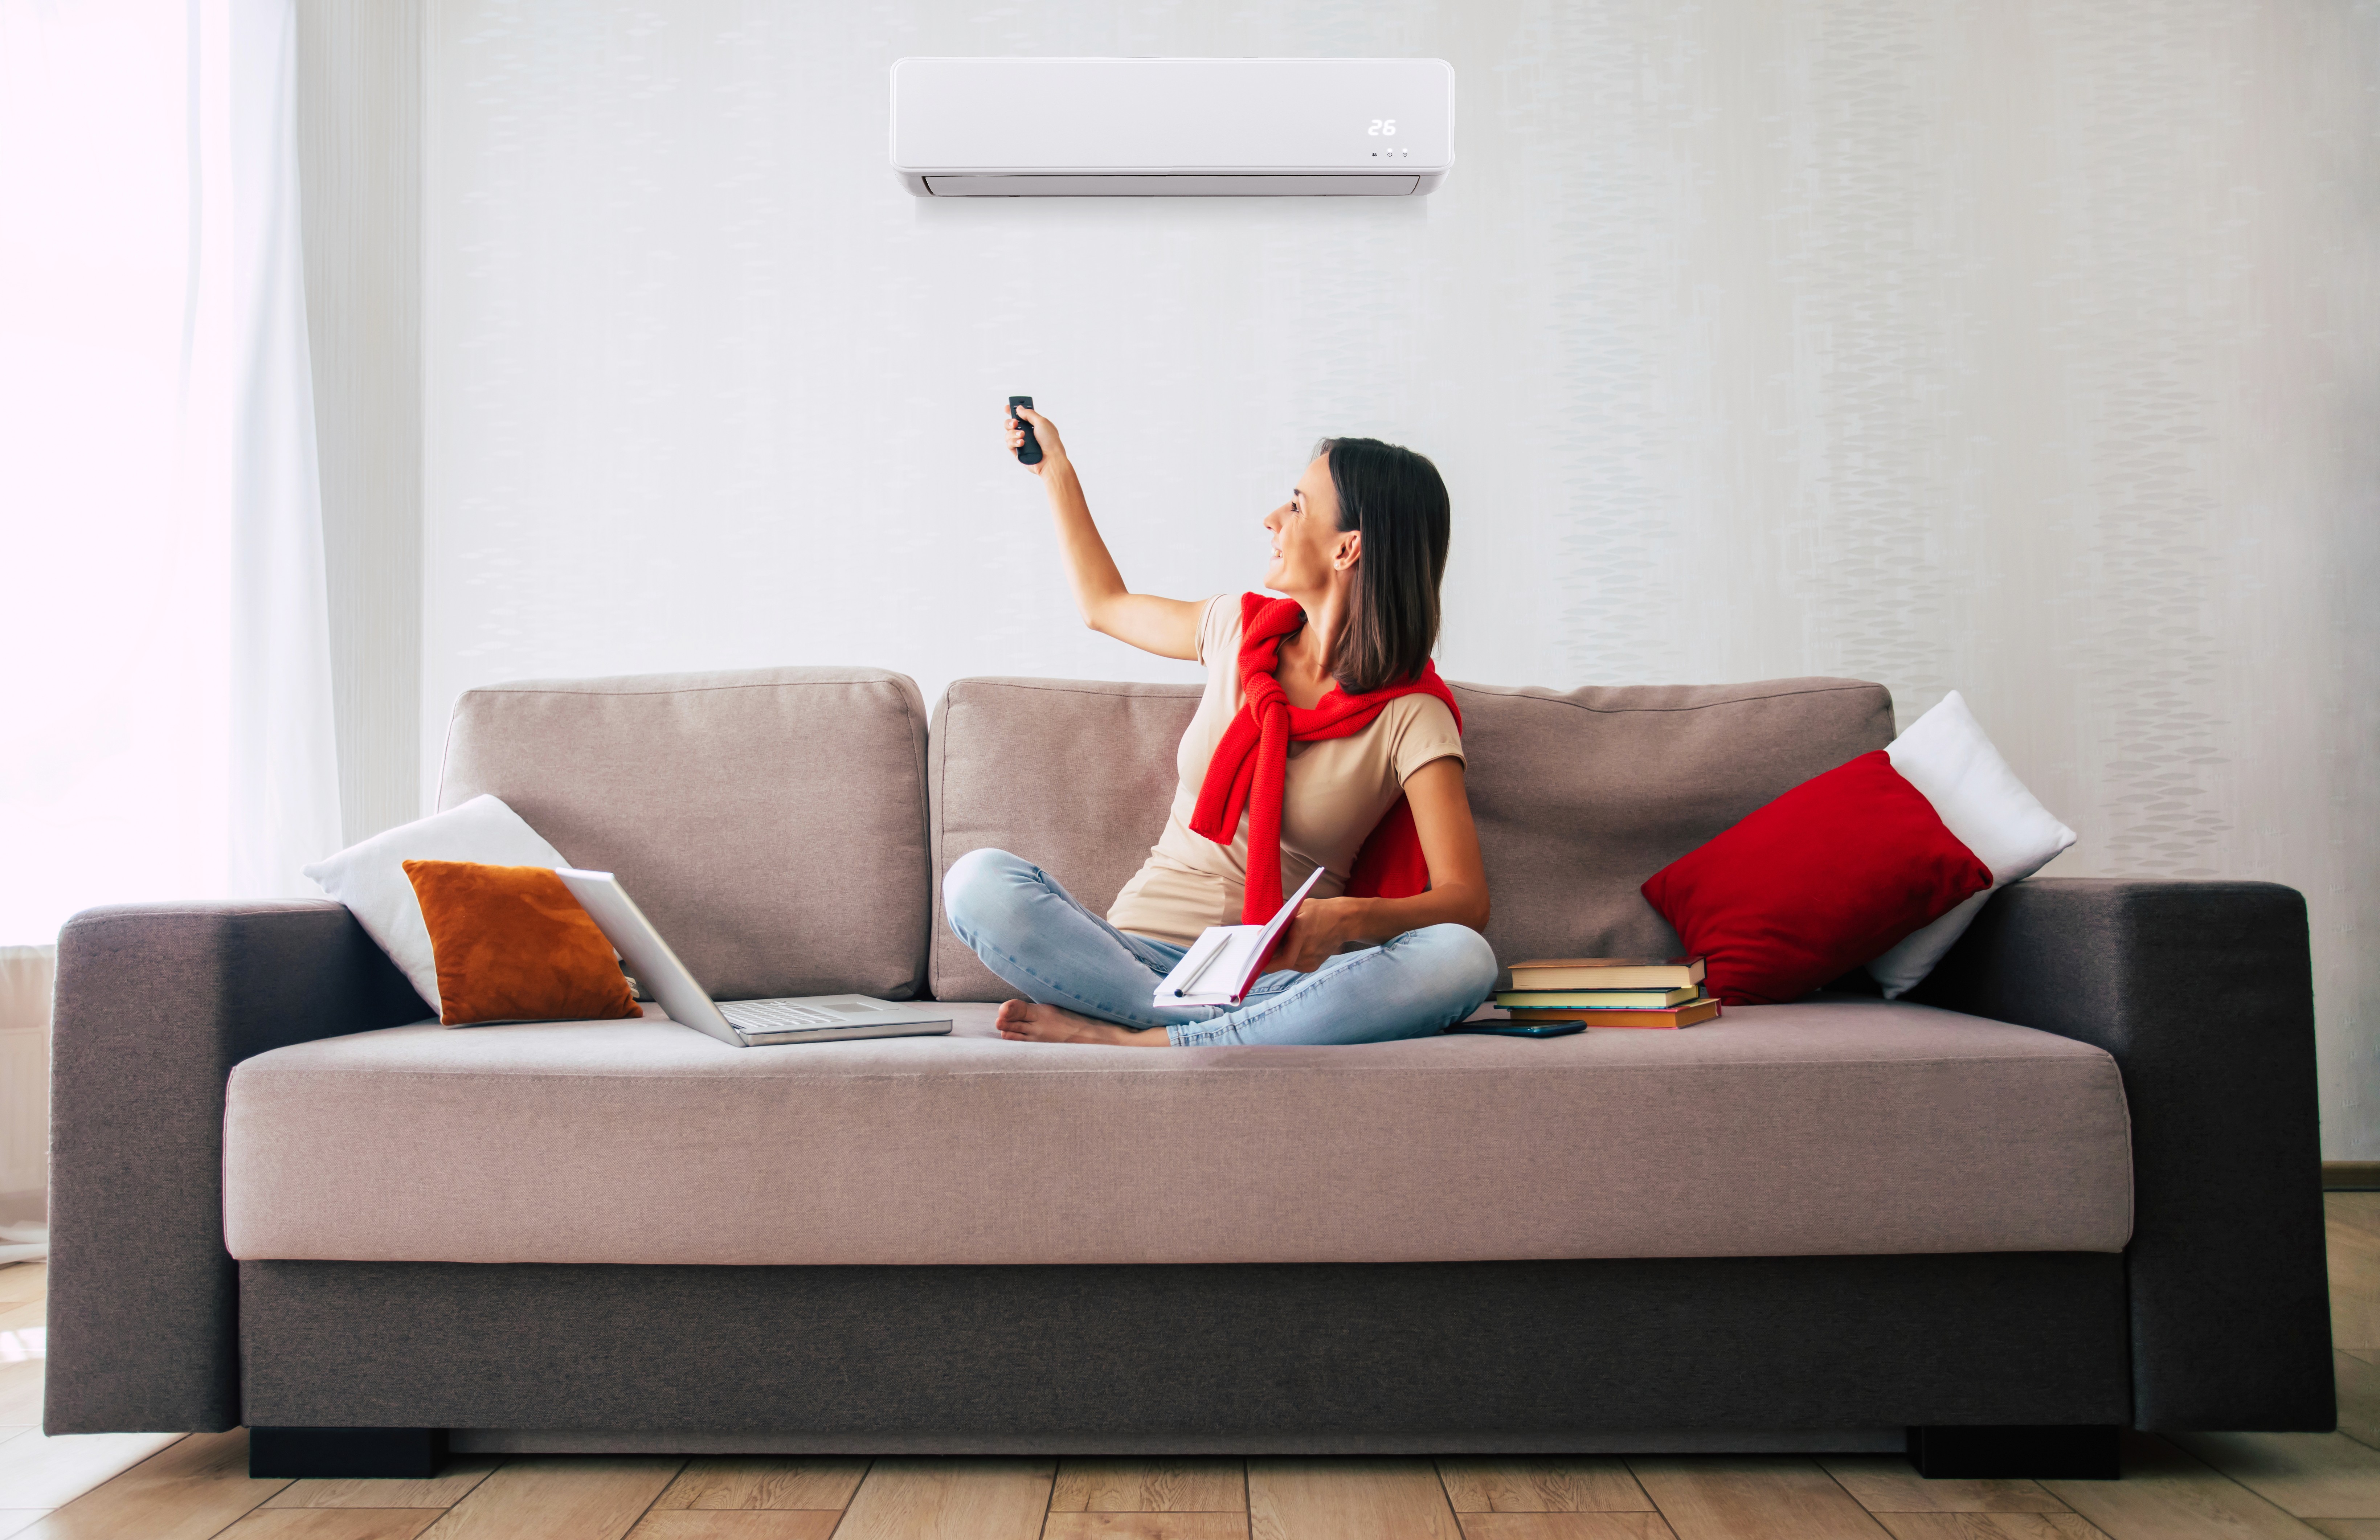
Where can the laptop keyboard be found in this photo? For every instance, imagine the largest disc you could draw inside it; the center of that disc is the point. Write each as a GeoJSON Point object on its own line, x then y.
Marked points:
{"type": "Point", "coordinates": [772, 1015]}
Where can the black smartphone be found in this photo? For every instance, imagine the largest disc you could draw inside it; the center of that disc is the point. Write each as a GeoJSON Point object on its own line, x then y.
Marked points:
{"type": "Point", "coordinates": [1521, 1029]}
{"type": "Point", "coordinates": [1030, 452]}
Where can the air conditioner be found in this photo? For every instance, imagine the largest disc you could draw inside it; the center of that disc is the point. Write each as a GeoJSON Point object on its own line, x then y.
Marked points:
{"type": "Point", "coordinates": [1171, 128]}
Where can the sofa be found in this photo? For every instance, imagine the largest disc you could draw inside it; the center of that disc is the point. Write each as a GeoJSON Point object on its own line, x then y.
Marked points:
{"type": "Point", "coordinates": [2067, 1186]}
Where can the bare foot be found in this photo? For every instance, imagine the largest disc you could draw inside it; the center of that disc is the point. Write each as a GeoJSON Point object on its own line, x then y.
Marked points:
{"type": "Point", "coordinates": [1024, 1022]}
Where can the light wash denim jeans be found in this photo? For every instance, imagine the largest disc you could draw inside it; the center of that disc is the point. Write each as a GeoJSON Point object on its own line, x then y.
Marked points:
{"type": "Point", "coordinates": [1052, 951]}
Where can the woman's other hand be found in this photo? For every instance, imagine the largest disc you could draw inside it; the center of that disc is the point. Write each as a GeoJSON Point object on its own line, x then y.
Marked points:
{"type": "Point", "coordinates": [1044, 431]}
{"type": "Point", "coordinates": [1317, 932]}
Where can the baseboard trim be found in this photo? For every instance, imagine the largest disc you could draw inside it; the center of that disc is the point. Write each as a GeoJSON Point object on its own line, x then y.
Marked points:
{"type": "Point", "coordinates": [2350, 1176]}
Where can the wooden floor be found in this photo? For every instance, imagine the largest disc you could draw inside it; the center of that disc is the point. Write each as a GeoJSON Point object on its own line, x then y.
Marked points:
{"type": "Point", "coordinates": [2219, 1487]}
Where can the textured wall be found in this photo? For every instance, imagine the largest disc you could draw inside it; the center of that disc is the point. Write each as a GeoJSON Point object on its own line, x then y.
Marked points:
{"type": "Point", "coordinates": [2029, 348]}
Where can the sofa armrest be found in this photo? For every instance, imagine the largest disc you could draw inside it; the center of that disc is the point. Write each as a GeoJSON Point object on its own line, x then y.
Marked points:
{"type": "Point", "coordinates": [155, 1004]}
{"type": "Point", "coordinates": [2203, 992]}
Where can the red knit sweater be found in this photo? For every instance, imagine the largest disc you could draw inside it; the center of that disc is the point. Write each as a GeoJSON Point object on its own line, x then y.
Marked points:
{"type": "Point", "coordinates": [1251, 766]}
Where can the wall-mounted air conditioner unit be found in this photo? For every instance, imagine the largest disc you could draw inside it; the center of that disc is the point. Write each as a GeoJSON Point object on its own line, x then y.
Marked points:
{"type": "Point", "coordinates": [1160, 128]}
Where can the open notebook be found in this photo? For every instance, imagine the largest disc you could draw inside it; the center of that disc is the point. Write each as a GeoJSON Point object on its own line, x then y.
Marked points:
{"type": "Point", "coordinates": [1225, 962]}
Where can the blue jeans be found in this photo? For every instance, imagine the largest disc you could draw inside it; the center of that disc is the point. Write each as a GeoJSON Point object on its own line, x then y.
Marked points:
{"type": "Point", "coordinates": [1051, 950]}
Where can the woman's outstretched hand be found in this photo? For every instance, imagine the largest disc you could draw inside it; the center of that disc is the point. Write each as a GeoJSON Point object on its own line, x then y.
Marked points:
{"type": "Point", "coordinates": [1044, 431]}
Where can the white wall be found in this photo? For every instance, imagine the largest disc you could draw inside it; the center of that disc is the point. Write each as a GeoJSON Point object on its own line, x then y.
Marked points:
{"type": "Point", "coordinates": [2027, 348]}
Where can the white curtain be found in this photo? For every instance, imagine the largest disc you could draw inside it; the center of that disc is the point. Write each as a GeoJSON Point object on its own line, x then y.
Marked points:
{"type": "Point", "coordinates": [165, 643]}
{"type": "Point", "coordinates": [284, 770]}
{"type": "Point", "coordinates": [163, 639]}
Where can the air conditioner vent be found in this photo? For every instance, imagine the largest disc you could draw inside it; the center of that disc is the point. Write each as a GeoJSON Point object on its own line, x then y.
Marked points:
{"type": "Point", "coordinates": [1171, 127]}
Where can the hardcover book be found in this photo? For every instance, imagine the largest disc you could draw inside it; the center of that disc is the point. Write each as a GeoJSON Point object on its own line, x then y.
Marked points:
{"type": "Point", "coordinates": [1607, 973]}
{"type": "Point", "coordinates": [1689, 1014]}
{"type": "Point", "coordinates": [1600, 1000]}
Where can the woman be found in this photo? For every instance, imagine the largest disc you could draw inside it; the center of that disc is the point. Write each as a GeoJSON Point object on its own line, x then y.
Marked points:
{"type": "Point", "coordinates": [1371, 790]}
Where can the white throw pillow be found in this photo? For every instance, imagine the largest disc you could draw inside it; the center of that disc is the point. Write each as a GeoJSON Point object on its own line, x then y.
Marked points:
{"type": "Point", "coordinates": [369, 877]}
{"type": "Point", "coordinates": [1947, 758]}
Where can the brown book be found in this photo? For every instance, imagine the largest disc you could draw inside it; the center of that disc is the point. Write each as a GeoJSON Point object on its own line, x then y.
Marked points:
{"type": "Point", "coordinates": [1607, 973]}
{"type": "Point", "coordinates": [1688, 1014]}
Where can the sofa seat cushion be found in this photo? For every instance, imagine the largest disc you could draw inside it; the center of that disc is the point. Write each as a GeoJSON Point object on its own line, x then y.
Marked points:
{"type": "Point", "coordinates": [1830, 1127]}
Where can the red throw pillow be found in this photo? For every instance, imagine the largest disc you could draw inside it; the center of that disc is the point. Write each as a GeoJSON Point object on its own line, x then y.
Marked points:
{"type": "Point", "coordinates": [1834, 872]}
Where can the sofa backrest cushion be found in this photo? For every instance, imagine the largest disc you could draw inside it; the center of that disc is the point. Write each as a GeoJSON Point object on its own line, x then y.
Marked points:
{"type": "Point", "coordinates": [1074, 775]}
{"type": "Point", "coordinates": [1579, 796]}
{"type": "Point", "coordinates": [770, 822]}
{"type": "Point", "coordinates": [1582, 795]}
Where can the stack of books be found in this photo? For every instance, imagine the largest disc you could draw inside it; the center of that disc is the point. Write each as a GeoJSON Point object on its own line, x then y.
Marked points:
{"type": "Point", "coordinates": [1609, 991]}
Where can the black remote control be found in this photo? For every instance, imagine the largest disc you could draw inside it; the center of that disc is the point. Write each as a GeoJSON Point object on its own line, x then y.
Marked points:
{"type": "Point", "coordinates": [1030, 452]}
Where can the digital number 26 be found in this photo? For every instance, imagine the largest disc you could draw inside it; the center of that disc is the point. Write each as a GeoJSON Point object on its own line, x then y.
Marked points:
{"type": "Point", "coordinates": [1382, 125]}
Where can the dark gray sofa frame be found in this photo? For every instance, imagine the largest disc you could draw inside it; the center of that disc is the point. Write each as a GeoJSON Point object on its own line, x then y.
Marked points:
{"type": "Point", "coordinates": [2214, 1317]}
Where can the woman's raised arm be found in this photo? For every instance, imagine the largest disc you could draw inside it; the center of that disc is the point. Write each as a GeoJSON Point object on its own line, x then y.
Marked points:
{"type": "Point", "coordinates": [1168, 627]}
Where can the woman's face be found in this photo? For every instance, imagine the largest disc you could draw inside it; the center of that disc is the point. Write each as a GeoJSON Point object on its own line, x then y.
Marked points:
{"type": "Point", "coordinates": [1309, 546]}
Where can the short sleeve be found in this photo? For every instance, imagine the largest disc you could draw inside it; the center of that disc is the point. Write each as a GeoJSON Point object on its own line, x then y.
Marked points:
{"type": "Point", "coordinates": [1425, 732]}
{"type": "Point", "coordinates": [1215, 626]}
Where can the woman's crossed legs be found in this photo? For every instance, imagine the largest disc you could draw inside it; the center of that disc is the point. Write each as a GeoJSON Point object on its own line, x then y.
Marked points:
{"type": "Point", "coordinates": [1089, 982]}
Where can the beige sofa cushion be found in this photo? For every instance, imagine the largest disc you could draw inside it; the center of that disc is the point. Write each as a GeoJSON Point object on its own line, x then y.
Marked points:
{"type": "Point", "coordinates": [1834, 1127]}
{"type": "Point", "coordinates": [772, 822]}
{"type": "Point", "coordinates": [1579, 796]}
{"type": "Point", "coordinates": [1074, 775]}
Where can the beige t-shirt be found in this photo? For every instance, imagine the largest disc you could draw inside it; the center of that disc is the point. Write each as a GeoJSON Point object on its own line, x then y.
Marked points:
{"type": "Point", "coordinates": [1337, 791]}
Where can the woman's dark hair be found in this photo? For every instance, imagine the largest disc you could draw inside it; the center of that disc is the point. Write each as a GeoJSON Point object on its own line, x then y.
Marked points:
{"type": "Point", "coordinates": [1395, 497]}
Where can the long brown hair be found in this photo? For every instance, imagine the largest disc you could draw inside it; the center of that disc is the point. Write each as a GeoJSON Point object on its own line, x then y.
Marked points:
{"type": "Point", "coordinates": [1397, 499]}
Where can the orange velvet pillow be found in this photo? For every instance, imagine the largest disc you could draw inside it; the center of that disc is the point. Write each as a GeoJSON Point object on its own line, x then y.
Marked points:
{"type": "Point", "coordinates": [513, 944]}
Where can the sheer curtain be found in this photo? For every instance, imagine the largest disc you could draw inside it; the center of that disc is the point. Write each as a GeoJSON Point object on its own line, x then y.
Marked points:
{"type": "Point", "coordinates": [164, 653]}
{"type": "Point", "coordinates": [284, 768]}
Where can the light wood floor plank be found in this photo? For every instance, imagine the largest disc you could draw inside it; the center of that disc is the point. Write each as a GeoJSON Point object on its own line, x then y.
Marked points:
{"type": "Point", "coordinates": [1563, 1526]}
{"type": "Point", "coordinates": [2168, 1495]}
{"type": "Point", "coordinates": [1147, 1526]}
{"type": "Point", "coordinates": [2314, 1475]}
{"type": "Point", "coordinates": [37, 1471]}
{"type": "Point", "coordinates": [2359, 1397]}
{"type": "Point", "coordinates": [1752, 1498]}
{"type": "Point", "coordinates": [738, 1523]}
{"type": "Point", "coordinates": [1347, 1499]}
{"type": "Point", "coordinates": [333, 1524]}
{"type": "Point", "coordinates": [190, 1490]}
{"type": "Point", "coordinates": [950, 1499]}
{"type": "Point", "coordinates": [16, 1317]}
{"type": "Point", "coordinates": [2354, 1284]}
{"type": "Point", "coordinates": [789, 1481]}
{"type": "Point", "coordinates": [1990, 1526]}
{"type": "Point", "coordinates": [22, 1282]}
{"type": "Point", "coordinates": [444, 1490]}
{"type": "Point", "coordinates": [2347, 1529]}
{"type": "Point", "coordinates": [20, 1391]}
{"type": "Point", "coordinates": [1888, 1483]}
{"type": "Point", "coordinates": [2361, 1209]}
{"type": "Point", "coordinates": [1150, 1487]}
{"type": "Point", "coordinates": [1542, 1484]}
{"type": "Point", "coordinates": [558, 1497]}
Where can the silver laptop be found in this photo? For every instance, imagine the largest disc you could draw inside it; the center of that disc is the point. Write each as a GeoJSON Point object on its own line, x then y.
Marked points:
{"type": "Point", "coordinates": [745, 1022]}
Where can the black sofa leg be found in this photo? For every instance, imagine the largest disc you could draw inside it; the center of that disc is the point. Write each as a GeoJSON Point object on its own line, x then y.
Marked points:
{"type": "Point", "coordinates": [1981, 1453]}
{"type": "Point", "coordinates": [345, 1452]}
